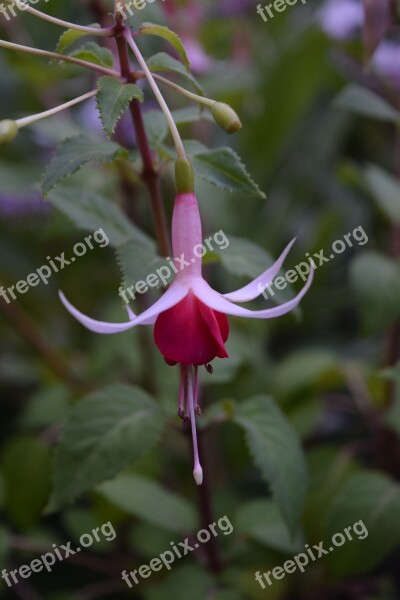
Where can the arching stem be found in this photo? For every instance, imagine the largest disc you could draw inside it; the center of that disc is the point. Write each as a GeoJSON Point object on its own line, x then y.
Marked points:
{"type": "Point", "coordinates": [160, 99]}
{"type": "Point", "coordinates": [53, 111]}
{"type": "Point", "coordinates": [54, 55]}
{"type": "Point", "coordinates": [108, 31]}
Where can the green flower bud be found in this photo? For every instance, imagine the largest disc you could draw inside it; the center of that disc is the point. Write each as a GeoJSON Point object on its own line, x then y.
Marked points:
{"type": "Point", "coordinates": [8, 131]}
{"type": "Point", "coordinates": [184, 176]}
{"type": "Point", "coordinates": [226, 117]}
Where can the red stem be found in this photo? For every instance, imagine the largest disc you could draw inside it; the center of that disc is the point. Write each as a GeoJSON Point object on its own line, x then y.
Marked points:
{"type": "Point", "coordinates": [150, 175]}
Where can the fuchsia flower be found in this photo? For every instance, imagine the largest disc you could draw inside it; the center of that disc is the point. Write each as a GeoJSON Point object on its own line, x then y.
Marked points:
{"type": "Point", "coordinates": [190, 323]}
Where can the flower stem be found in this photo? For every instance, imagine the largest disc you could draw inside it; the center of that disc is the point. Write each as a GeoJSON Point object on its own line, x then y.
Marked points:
{"type": "Point", "coordinates": [53, 111]}
{"type": "Point", "coordinates": [191, 95]}
{"type": "Point", "coordinates": [160, 99]}
{"type": "Point", "coordinates": [89, 30]}
{"type": "Point", "coordinates": [149, 174]}
{"type": "Point", "coordinates": [65, 58]}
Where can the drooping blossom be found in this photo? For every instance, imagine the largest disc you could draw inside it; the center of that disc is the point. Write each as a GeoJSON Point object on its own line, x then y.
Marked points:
{"type": "Point", "coordinates": [341, 19]}
{"type": "Point", "coordinates": [386, 62]}
{"type": "Point", "coordinates": [187, 21]}
{"type": "Point", "coordinates": [15, 206]}
{"type": "Point", "coordinates": [190, 319]}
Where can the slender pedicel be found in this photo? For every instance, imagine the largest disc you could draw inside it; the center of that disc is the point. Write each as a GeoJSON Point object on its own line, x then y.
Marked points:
{"type": "Point", "coordinates": [160, 99]}
{"type": "Point", "coordinates": [48, 113]}
{"type": "Point", "coordinates": [65, 58]}
{"type": "Point", "coordinates": [108, 31]}
{"type": "Point", "coordinates": [191, 95]}
{"type": "Point", "coordinates": [197, 470]}
{"type": "Point", "coordinates": [222, 113]}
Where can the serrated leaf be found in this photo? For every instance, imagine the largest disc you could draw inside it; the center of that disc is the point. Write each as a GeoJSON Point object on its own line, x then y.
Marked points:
{"type": "Point", "coordinates": [262, 521]}
{"type": "Point", "coordinates": [386, 191]}
{"type": "Point", "coordinates": [361, 101]}
{"type": "Point", "coordinates": [276, 451]}
{"type": "Point", "coordinates": [372, 500]}
{"type": "Point", "coordinates": [92, 52]}
{"type": "Point", "coordinates": [73, 153]}
{"type": "Point", "coordinates": [91, 211]}
{"type": "Point", "coordinates": [69, 37]}
{"type": "Point", "coordinates": [164, 62]}
{"type": "Point", "coordinates": [169, 36]}
{"type": "Point", "coordinates": [113, 98]}
{"type": "Point", "coordinates": [104, 433]}
{"type": "Point", "coordinates": [221, 167]}
{"type": "Point", "coordinates": [145, 498]}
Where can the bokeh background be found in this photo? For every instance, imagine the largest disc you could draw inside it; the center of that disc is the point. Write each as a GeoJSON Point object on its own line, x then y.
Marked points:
{"type": "Point", "coordinates": [318, 91]}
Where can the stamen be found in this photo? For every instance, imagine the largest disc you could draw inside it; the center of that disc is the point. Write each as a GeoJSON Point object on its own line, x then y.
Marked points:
{"type": "Point", "coordinates": [197, 408]}
{"type": "Point", "coordinates": [197, 470]}
{"type": "Point", "coordinates": [209, 369]}
{"type": "Point", "coordinates": [182, 392]}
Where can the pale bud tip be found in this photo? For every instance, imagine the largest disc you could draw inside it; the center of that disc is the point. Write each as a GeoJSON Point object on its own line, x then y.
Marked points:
{"type": "Point", "coordinates": [226, 117]}
{"type": "Point", "coordinates": [8, 130]}
{"type": "Point", "coordinates": [198, 475]}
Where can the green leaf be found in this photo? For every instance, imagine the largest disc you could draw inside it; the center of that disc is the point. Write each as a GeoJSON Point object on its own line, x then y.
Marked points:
{"type": "Point", "coordinates": [244, 258]}
{"type": "Point", "coordinates": [304, 371]}
{"type": "Point", "coordinates": [169, 36]}
{"type": "Point", "coordinates": [156, 127]}
{"type": "Point", "coordinates": [104, 433]}
{"type": "Point", "coordinates": [47, 406]}
{"type": "Point", "coordinates": [361, 101]}
{"type": "Point", "coordinates": [138, 260]}
{"type": "Point", "coordinates": [92, 52]}
{"type": "Point", "coordinates": [26, 470]}
{"type": "Point", "coordinates": [386, 191]}
{"type": "Point", "coordinates": [113, 98]}
{"type": "Point", "coordinates": [69, 37]}
{"type": "Point", "coordinates": [262, 521]}
{"type": "Point", "coordinates": [181, 580]}
{"type": "Point", "coordinates": [73, 153]}
{"type": "Point", "coordinates": [165, 62]}
{"type": "Point", "coordinates": [370, 499]}
{"type": "Point", "coordinates": [223, 168]}
{"type": "Point", "coordinates": [91, 211]}
{"type": "Point", "coordinates": [146, 499]}
{"type": "Point", "coordinates": [277, 453]}
{"type": "Point", "coordinates": [376, 280]}
{"type": "Point", "coordinates": [191, 114]}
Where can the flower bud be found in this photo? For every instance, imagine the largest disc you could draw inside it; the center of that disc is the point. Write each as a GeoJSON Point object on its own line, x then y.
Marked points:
{"type": "Point", "coordinates": [8, 130]}
{"type": "Point", "coordinates": [226, 117]}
